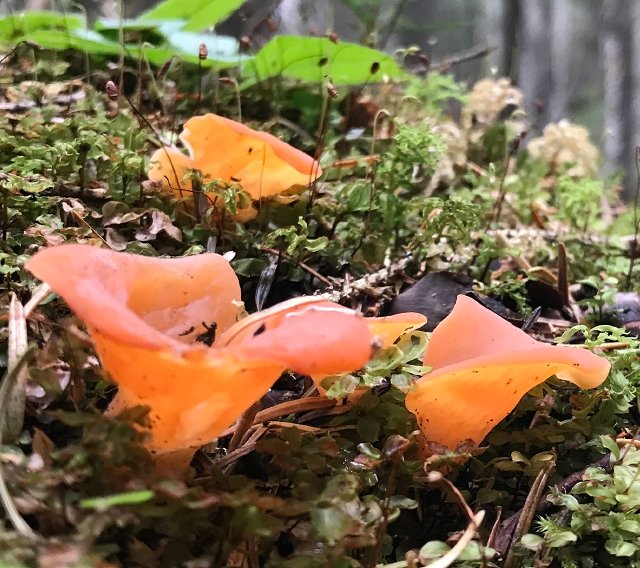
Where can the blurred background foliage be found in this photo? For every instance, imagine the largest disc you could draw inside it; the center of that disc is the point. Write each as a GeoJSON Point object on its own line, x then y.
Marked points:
{"type": "Point", "coordinates": [573, 59]}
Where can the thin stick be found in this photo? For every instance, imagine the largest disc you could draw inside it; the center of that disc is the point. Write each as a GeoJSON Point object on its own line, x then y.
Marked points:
{"type": "Point", "coordinates": [285, 408]}
{"type": "Point", "coordinates": [244, 423]}
{"type": "Point", "coordinates": [39, 294]}
{"type": "Point", "coordinates": [463, 57]}
{"type": "Point", "coordinates": [299, 263]}
{"type": "Point", "coordinates": [86, 225]}
{"type": "Point", "coordinates": [322, 130]}
{"type": "Point", "coordinates": [529, 511]}
{"type": "Point", "coordinates": [437, 477]}
{"type": "Point", "coordinates": [150, 127]}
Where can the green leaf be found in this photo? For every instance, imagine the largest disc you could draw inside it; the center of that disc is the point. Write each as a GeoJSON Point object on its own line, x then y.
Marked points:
{"type": "Point", "coordinates": [249, 266]}
{"type": "Point", "coordinates": [531, 541]}
{"type": "Point", "coordinates": [316, 245]}
{"type": "Point", "coordinates": [222, 50]}
{"type": "Point", "coordinates": [416, 370]}
{"type": "Point", "coordinates": [331, 522]}
{"type": "Point", "coordinates": [413, 346]}
{"type": "Point", "coordinates": [619, 547]}
{"type": "Point", "coordinates": [385, 361]}
{"type": "Point", "coordinates": [486, 495]}
{"type": "Point", "coordinates": [611, 445]}
{"type": "Point", "coordinates": [630, 525]}
{"type": "Point", "coordinates": [433, 550]}
{"type": "Point", "coordinates": [518, 457]}
{"type": "Point", "coordinates": [198, 15]}
{"type": "Point", "coordinates": [82, 40]}
{"type": "Point", "coordinates": [560, 538]}
{"type": "Point", "coordinates": [402, 502]}
{"type": "Point", "coordinates": [401, 381]}
{"type": "Point", "coordinates": [368, 428]}
{"type": "Point", "coordinates": [23, 23]}
{"type": "Point", "coordinates": [312, 59]}
{"type": "Point", "coordinates": [343, 386]}
{"type": "Point", "coordinates": [135, 29]}
{"type": "Point", "coordinates": [129, 498]}
{"type": "Point", "coordinates": [369, 451]}
{"type": "Point", "coordinates": [359, 198]}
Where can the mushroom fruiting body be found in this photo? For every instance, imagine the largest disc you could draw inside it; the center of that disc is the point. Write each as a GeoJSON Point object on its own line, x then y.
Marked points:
{"type": "Point", "coordinates": [389, 328]}
{"type": "Point", "coordinates": [146, 315]}
{"type": "Point", "coordinates": [481, 366]}
{"type": "Point", "coordinates": [223, 149]}
{"type": "Point", "coordinates": [385, 330]}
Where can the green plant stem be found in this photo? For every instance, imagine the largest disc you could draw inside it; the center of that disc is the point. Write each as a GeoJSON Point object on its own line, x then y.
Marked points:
{"type": "Point", "coordinates": [155, 133]}
{"type": "Point", "coordinates": [322, 131]}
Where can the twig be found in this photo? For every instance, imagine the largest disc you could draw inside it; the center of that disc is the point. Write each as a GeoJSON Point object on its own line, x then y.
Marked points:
{"type": "Point", "coordinates": [250, 443]}
{"type": "Point", "coordinates": [322, 131]}
{"type": "Point", "coordinates": [623, 442]}
{"type": "Point", "coordinates": [450, 557]}
{"type": "Point", "coordinates": [86, 225]}
{"type": "Point", "coordinates": [31, 44]}
{"type": "Point", "coordinates": [494, 531]}
{"type": "Point", "coordinates": [38, 296]}
{"type": "Point", "coordinates": [296, 129]}
{"type": "Point", "coordinates": [563, 275]}
{"type": "Point", "coordinates": [528, 512]}
{"type": "Point", "coordinates": [508, 526]}
{"type": "Point", "coordinates": [148, 124]}
{"type": "Point", "coordinates": [8, 383]}
{"type": "Point", "coordinates": [464, 56]}
{"type": "Point", "coordinates": [286, 408]}
{"type": "Point", "coordinates": [368, 281]}
{"type": "Point", "coordinates": [244, 423]}
{"type": "Point", "coordinates": [512, 150]}
{"type": "Point", "coordinates": [437, 477]}
{"type": "Point", "coordinates": [230, 458]}
{"type": "Point", "coordinates": [13, 418]}
{"type": "Point", "coordinates": [299, 263]}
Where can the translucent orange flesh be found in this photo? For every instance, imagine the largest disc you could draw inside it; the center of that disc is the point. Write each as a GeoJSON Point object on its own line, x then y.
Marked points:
{"type": "Point", "coordinates": [143, 301]}
{"type": "Point", "coordinates": [389, 328]}
{"type": "Point", "coordinates": [481, 367]}
{"type": "Point", "coordinates": [144, 315]}
{"type": "Point", "coordinates": [224, 149]}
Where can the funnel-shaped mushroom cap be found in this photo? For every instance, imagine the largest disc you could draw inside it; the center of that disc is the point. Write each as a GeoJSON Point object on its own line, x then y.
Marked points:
{"type": "Point", "coordinates": [481, 366]}
{"type": "Point", "coordinates": [145, 314]}
{"type": "Point", "coordinates": [223, 149]}
{"type": "Point", "coordinates": [143, 301]}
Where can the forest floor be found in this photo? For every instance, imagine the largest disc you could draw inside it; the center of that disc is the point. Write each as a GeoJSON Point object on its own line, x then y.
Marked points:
{"type": "Point", "coordinates": [424, 181]}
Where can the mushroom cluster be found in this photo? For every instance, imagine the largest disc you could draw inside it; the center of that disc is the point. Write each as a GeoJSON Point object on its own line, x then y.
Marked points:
{"type": "Point", "coordinates": [167, 332]}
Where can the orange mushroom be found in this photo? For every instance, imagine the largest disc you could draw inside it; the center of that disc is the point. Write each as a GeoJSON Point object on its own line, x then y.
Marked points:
{"type": "Point", "coordinates": [146, 316]}
{"type": "Point", "coordinates": [223, 149]}
{"type": "Point", "coordinates": [388, 328]}
{"type": "Point", "coordinates": [385, 330]}
{"type": "Point", "coordinates": [481, 366]}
